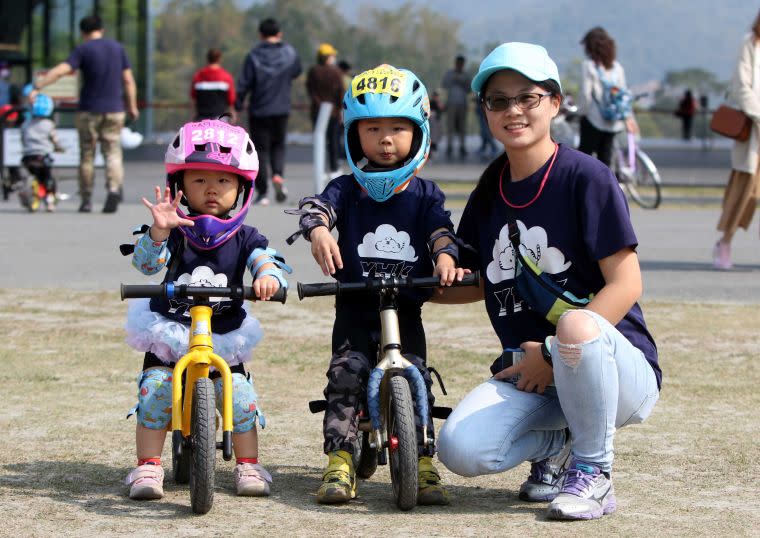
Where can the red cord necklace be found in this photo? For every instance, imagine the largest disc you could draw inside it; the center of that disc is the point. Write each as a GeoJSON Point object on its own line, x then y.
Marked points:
{"type": "Point", "coordinates": [540, 187]}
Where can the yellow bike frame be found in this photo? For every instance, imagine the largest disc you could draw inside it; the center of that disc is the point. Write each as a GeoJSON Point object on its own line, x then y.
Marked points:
{"type": "Point", "coordinates": [196, 362]}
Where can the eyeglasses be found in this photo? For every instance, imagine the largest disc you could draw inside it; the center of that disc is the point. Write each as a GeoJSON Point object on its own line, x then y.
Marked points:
{"type": "Point", "coordinates": [524, 101]}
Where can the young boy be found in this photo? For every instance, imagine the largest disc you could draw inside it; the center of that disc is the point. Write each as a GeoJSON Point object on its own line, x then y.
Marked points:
{"type": "Point", "coordinates": [390, 223]}
{"type": "Point", "coordinates": [38, 141]}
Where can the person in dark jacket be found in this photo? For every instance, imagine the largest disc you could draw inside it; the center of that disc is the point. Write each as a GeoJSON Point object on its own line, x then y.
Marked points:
{"type": "Point", "coordinates": [267, 74]}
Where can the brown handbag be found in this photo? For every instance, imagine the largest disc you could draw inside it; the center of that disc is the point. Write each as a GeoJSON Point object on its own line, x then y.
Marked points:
{"type": "Point", "coordinates": [732, 123]}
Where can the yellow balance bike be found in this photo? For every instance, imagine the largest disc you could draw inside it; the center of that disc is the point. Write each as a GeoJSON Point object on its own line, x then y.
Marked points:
{"type": "Point", "coordinates": [193, 423]}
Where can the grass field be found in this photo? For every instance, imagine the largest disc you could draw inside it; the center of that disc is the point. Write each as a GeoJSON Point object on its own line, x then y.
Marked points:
{"type": "Point", "coordinates": [690, 470]}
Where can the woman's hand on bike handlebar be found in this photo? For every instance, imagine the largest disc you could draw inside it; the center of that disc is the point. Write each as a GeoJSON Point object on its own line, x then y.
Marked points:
{"type": "Point", "coordinates": [446, 268]}
{"type": "Point", "coordinates": [325, 250]}
{"type": "Point", "coordinates": [265, 287]}
{"type": "Point", "coordinates": [165, 215]}
{"type": "Point", "coordinates": [535, 374]}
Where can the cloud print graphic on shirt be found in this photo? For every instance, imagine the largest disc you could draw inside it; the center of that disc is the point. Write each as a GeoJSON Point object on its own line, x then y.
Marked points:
{"type": "Point", "coordinates": [533, 244]}
{"type": "Point", "coordinates": [205, 277]}
{"type": "Point", "coordinates": [388, 243]}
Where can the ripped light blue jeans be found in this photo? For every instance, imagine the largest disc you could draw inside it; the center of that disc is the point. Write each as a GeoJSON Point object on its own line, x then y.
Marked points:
{"type": "Point", "coordinates": [600, 385]}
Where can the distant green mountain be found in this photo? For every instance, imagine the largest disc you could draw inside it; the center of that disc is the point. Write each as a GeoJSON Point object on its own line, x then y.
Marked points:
{"type": "Point", "coordinates": [653, 36]}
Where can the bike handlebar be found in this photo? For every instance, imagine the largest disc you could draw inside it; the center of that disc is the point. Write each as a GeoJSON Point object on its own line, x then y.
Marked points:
{"type": "Point", "coordinates": [378, 284]}
{"type": "Point", "coordinates": [170, 290]}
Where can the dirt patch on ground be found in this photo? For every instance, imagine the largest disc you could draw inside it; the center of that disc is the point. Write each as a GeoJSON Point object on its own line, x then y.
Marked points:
{"type": "Point", "coordinates": [689, 470]}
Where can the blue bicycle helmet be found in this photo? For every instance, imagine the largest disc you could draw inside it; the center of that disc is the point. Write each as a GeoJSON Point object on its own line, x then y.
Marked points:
{"type": "Point", "coordinates": [43, 106]}
{"type": "Point", "coordinates": [386, 92]}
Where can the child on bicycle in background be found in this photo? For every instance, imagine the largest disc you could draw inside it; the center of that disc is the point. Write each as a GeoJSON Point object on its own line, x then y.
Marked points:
{"type": "Point", "coordinates": [38, 141]}
{"type": "Point", "coordinates": [390, 223]}
{"type": "Point", "coordinates": [209, 165]}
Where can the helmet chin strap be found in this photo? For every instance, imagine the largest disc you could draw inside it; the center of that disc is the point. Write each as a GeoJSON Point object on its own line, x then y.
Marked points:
{"type": "Point", "coordinates": [193, 213]}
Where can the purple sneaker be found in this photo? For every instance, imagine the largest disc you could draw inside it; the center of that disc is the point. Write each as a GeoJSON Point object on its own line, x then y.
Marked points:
{"type": "Point", "coordinates": [586, 493]}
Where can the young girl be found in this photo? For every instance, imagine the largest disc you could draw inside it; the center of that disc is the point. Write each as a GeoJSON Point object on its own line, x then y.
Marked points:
{"type": "Point", "coordinates": [596, 370]}
{"type": "Point", "coordinates": [209, 165]}
{"type": "Point", "coordinates": [390, 223]}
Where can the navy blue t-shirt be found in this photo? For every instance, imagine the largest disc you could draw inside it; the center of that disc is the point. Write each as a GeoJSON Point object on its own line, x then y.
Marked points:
{"type": "Point", "coordinates": [220, 267]}
{"type": "Point", "coordinates": [580, 217]}
{"type": "Point", "coordinates": [387, 238]}
{"type": "Point", "coordinates": [102, 62]}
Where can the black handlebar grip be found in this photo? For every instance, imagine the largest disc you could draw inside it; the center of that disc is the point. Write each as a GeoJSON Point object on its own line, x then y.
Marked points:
{"type": "Point", "coordinates": [470, 279]}
{"type": "Point", "coordinates": [317, 290]}
{"type": "Point", "coordinates": [280, 296]}
{"type": "Point", "coordinates": [138, 291]}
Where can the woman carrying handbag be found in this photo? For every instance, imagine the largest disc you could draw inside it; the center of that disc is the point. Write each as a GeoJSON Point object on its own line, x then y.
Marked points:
{"type": "Point", "coordinates": [743, 190]}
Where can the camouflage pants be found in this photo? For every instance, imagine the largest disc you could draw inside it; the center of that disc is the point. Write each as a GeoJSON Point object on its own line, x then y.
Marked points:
{"type": "Point", "coordinates": [106, 129]}
{"type": "Point", "coordinates": [345, 392]}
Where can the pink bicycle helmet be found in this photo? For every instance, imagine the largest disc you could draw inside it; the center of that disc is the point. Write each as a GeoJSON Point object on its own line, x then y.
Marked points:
{"type": "Point", "coordinates": [212, 145]}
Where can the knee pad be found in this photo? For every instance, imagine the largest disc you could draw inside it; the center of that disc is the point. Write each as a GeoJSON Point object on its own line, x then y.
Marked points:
{"type": "Point", "coordinates": [245, 408]}
{"type": "Point", "coordinates": [154, 398]}
{"type": "Point", "coordinates": [348, 373]}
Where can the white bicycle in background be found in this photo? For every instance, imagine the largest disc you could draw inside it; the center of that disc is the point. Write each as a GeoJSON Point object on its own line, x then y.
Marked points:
{"type": "Point", "coordinates": [634, 169]}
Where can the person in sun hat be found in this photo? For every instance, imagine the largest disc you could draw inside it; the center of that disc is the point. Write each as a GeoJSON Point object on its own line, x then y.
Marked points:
{"type": "Point", "coordinates": [324, 84]}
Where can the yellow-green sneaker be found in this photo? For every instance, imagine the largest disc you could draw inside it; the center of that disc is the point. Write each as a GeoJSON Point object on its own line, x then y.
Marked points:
{"type": "Point", "coordinates": [338, 480]}
{"type": "Point", "coordinates": [431, 491]}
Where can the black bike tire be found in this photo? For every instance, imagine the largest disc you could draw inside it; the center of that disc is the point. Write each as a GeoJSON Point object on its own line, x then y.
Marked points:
{"type": "Point", "coordinates": [366, 459]}
{"type": "Point", "coordinates": [181, 465]}
{"type": "Point", "coordinates": [646, 174]}
{"type": "Point", "coordinates": [402, 460]}
{"type": "Point", "coordinates": [203, 441]}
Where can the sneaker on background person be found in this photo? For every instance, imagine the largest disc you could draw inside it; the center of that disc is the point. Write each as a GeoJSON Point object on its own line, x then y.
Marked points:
{"type": "Point", "coordinates": [721, 255]}
{"type": "Point", "coordinates": [587, 493]}
{"type": "Point", "coordinates": [261, 199]}
{"type": "Point", "coordinates": [112, 203]}
{"type": "Point", "coordinates": [280, 191]}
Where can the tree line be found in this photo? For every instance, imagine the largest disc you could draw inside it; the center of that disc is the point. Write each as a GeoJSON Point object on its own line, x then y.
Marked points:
{"type": "Point", "coordinates": [416, 38]}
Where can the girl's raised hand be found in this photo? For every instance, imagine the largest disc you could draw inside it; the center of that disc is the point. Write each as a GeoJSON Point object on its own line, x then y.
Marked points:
{"type": "Point", "coordinates": [164, 212]}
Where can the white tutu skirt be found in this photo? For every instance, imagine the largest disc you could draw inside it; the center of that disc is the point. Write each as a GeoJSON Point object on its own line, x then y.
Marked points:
{"type": "Point", "coordinates": [168, 339]}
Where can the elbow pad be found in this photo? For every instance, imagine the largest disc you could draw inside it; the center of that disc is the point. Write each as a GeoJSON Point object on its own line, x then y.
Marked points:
{"type": "Point", "coordinates": [311, 210]}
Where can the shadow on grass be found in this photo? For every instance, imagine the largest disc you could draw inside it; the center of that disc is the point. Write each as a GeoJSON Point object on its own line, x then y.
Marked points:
{"type": "Point", "coordinates": [99, 488]}
{"type": "Point", "coordinates": [94, 487]}
{"type": "Point", "coordinates": [296, 486]}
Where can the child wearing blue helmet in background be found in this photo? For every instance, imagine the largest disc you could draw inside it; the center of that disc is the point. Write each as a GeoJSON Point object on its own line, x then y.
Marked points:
{"type": "Point", "coordinates": [390, 223]}
{"type": "Point", "coordinates": [38, 141]}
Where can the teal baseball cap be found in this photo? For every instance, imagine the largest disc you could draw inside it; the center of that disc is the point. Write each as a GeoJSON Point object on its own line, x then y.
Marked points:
{"type": "Point", "coordinates": [531, 61]}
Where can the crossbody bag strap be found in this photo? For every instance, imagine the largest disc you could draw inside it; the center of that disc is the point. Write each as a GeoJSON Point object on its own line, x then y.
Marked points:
{"type": "Point", "coordinates": [547, 285]}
